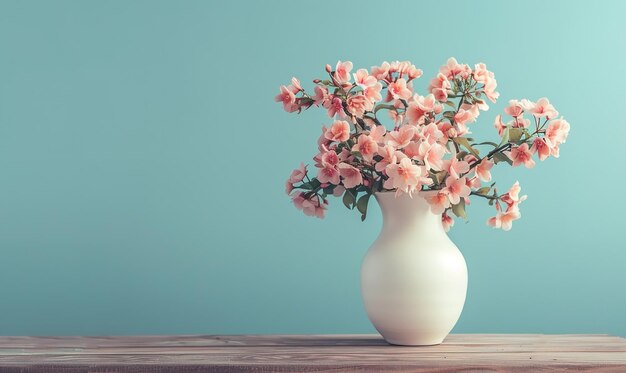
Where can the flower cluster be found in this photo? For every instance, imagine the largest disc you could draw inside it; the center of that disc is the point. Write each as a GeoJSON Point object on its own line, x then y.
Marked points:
{"type": "Point", "coordinates": [426, 143]}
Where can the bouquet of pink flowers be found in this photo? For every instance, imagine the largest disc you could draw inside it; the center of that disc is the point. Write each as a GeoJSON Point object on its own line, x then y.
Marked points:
{"type": "Point", "coordinates": [428, 148]}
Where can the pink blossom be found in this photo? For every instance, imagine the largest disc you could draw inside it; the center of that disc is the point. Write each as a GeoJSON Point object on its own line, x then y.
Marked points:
{"type": "Point", "coordinates": [399, 90]}
{"type": "Point", "coordinates": [363, 79]}
{"type": "Point", "coordinates": [439, 87]}
{"type": "Point", "coordinates": [335, 107]}
{"type": "Point", "coordinates": [454, 167]}
{"type": "Point", "coordinates": [390, 156]}
{"type": "Point", "coordinates": [351, 175]}
{"type": "Point", "coordinates": [372, 93]}
{"type": "Point", "coordinates": [438, 202]}
{"type": "Point", "coordinates": [499, 125]}
{"type": "Point", "coordinates": [287, 97]}
{"type": "Point", "coordinates": [366, 146]}
{"type": "Point", "coordinates": [514, 109]}
{"type": "Point", "coordinates": [543, 108]}
{"type": "Point", "coordinates": [447, 222]}
{"type": "Point", "coordinates": [329, 158]}
{"type": "Point", "coordinates": [521, 155]}
{"type": "Point", "coordinates": [481, 74]}
{"type": "Point", "coordinates": [295, 83]}
{"type": "Point", "coordinates": [381, 72]}
{"type": "Point", "coordinates": [288, 187]}
{"type": "Point", "coordinates": [419, 106]}
{"type": "Point", "coordinates": [339, 131]}
{"type": "Point", "coordinates": [463, 117]}
{"type": "Point", "coordinates": [556, 134]}
{"type": "Point", "coordinates": [452, 68]}
{"type": "Point", "coordinates": [313, 207]}
{"type": "Point", "coordinates": [298, 174]}
{"type": "Point", "coordinates": [432, 155]}
{"type": "Point", "coordinates": [405, 177]}
{"type": "Point", "coordinates": [541, 148]}
{"type": "Point", "coordinates": [413, 72]}
{"type": "Point", "coordinates": [490, 89]}
{"type": "Point", "coordinates": [402, 137]}
{"type": "Point", "coordinates": [358, 104]}
{"type": "Point", "coordinates": [521, 122]}
{"type": "Point", "coordinates": [483, 169]}
{"type": "Point", "coordinates": [377, 133]}
{"type": "Point", "coordinates": [328, 174]}
{"type": "Point", "coordinates": [321, 95]}
{"type": "Point", "coordinates": [456, 189]}
{"type": "Point", "coordinates": [504, 220]}
{"type": "Point", "coordinates": [342, 71]}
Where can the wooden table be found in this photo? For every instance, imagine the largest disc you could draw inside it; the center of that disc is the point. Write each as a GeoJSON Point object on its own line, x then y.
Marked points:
{"type": "Point", "coordinates": [313, 353]}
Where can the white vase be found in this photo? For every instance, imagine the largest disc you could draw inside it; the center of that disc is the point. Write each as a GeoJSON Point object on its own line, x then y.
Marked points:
{"type": "Point", "coordinates": [413, 278]}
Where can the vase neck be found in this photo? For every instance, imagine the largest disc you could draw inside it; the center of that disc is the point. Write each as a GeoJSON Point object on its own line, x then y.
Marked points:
{"type": "Point", "coordinates": [405, 212]}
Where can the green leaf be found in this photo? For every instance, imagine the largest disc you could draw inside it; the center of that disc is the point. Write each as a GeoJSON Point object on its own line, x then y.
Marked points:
{"type": "Point", "coordinates": [483, 191]}
{"type": "Point", "coordinates": [450, 103]}
{"type": "Point", "coordinates": [515, 134]}
{"type": "Point", "coordinates": [465, 143]}
{"type": "Point", "coordinates": [349, 199]}
{"type": "Point", "coordinates": [488, 143]}
{"type": "Point", "coordinates": [500, 157]}
{"type": "Point", "coordinates": [361, 205]}
{"type": "Point", "coordinates": [459, 209]}
{"type": "Point", "coordinates": [448, 114]}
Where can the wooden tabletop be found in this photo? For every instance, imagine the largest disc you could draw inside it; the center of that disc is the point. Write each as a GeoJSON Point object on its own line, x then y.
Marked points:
{"type": "Point", "coordinates": [312, 353]}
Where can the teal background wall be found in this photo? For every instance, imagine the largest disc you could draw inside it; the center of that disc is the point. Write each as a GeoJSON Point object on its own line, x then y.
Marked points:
{"type": "Point", "coordinates": [142, 162]}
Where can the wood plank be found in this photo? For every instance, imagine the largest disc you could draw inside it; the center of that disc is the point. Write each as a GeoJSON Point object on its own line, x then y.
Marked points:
{"type": "Point", "coordinates": [312, 353]}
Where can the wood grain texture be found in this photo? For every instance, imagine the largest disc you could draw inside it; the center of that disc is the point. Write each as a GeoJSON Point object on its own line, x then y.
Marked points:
{"type": "Point", "coordinates": [312, 353]}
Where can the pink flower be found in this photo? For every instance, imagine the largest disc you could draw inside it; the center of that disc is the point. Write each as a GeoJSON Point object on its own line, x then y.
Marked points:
{"type": "Point", "coordinates": [335, 107]}
{"type": "Point", "coordinates": [287, 97]}
{"type": "Point", "coordinates": [454, 167]}
{"type": "Point", "coordinates": [339, 131]}
{"type": "Point", "coordinates": [351, 175]}
{"type": "Point", "coordinates": [463, 116]}
{"type": "Point", "coordinates": [288, 187]}
{"type": "Point", "coordinates": [521, 155]}
{"type": "Point", "coordinates": [390, 156]}
{"type": "Point", "coordinates": [313, 207]}
{"type": "Point", "coordinates": [328, 174]}
{"type": "Point", "coordinates": [499, 125]}
{"type": "Point", "coordinates": [321, 95]}
{"type": "Point", "coordinates": [377, 133]}
{"type": "Point", "coordinates": [405, 177]}
{"type": "Point", "coordinates": [401, 138]}
{"type": "Point", "coordinates": [363, 79]}
{"type": "Point", "coordinates": [366, 146]}
{"type": "Point", "coordinates": [372, 93]}
{"type": "Point", "coordinates": [541, 148]}
{"type": "Point", "coordinates": [456, 189]}
{"type": "Point", "coordinates": [381, 72]}
{"type": "Point", "coordinates": [330, 158]}
{"type": "Point", "coordinates": [432, 155]}
{"type": "Point", "coordinates": [543, 108]}
{"type": "Point", "coordinates": [447, 222]}
{"type": "Point", "coordinates": [521, 122]}
{"type": "Point", "coordinates": [514, 109]}
{"type": "Point", "coordinates": [295, 83]}
{"type": "Point", "coordinates": [438, 202]}
{"type": "Point", "coordinates": [481, 74]}
{"type": "Point", "coordinates": [439, 87]}
{"type": "Point", "coordinates": [504, 220]}
{"type": "Point", "coordinates": [452, 68]}
{"type": "Point", "coordinates": [342, 71]}
{"type": "Point", "coordinates": [399, 90]}
{"type": "Point", "coordinates": [483, 170]}
{"type": "Point", "coordinates": [298, 174]}
{"type": "Point", "coordinates": [358, 104]}
{"type": "Point", "coordinates": [557, 132]}
{"type": "Point", "coordinates": [419, 106]}
{"type": "Point", "coordinates": [413, 72]}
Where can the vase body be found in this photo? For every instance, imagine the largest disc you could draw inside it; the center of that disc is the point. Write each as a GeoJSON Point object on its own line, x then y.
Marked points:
{"type": "Point", "coordinates": [413, 277]}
